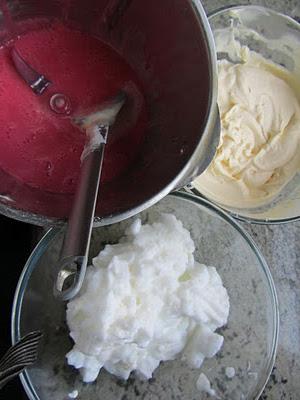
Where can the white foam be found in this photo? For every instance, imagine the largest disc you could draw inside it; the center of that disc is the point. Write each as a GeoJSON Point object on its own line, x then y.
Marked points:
{"type": "Point", "coordinates": [146, 300]}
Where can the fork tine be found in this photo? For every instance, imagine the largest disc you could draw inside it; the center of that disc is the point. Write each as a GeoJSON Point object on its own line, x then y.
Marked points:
{"type": "Point", "coordinates": [30, 336]}
{"type": "Point", "coordinates": [32, 339]}
{"type": "Point", "coordinates": [24, 361]}
{"type": "Point", "coordinates": [20, 357]}
{"type": "Point", "coordinates": [27, 359]}
{"type": "Point", "coordinates": [7, 378]}
{"type": "Point", "coordinates": [12, 371]}
{"type": "Point", "coordinates": [17, 359]}
{"type": "Point", "coordinates": [15, 367]}
{"type": "Point", "coordinates": [32, 347]}
{"type": "Point", "coordinates": [19, 349]}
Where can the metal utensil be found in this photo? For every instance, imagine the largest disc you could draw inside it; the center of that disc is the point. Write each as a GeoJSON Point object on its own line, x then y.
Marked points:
{"type": "Point", "coordinates": [96, 124]}
{"type": "Point", "coordinates": [74, 255]}
{"type": "Point", "coordinates": [57, 101]}
{"type": "Point", "coordinates": [21, 355]}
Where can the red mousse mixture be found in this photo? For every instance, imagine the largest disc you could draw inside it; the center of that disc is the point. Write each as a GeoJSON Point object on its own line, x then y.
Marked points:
{"type": "Point", "coordinates": [43, 149]}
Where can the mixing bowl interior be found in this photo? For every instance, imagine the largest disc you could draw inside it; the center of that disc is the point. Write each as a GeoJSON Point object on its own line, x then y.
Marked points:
{"type": "Point", "coordinates": [167, 45]}
{"type": "Point", "coordinates": [250, 336]}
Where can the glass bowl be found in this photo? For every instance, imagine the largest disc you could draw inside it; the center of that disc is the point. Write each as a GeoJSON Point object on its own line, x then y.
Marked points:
{"type": "Point", "coordinates": [250, 336]}
{"type": "Point", "coordinates": [277, 38]}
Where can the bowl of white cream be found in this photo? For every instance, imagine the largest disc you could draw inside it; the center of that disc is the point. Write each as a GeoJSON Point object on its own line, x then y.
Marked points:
{"type": "Point", "coordinates": [177, 303]}
{"type": "Point", "coordinates": [255, 173]}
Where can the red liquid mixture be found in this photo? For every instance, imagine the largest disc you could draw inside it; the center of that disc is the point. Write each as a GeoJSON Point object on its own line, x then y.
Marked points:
{"type": "Point", "coordinates": [43, 149]}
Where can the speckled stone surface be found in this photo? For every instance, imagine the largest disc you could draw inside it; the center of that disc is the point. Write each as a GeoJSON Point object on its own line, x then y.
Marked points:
{"type": "Point", "coordinates": [280, 245]}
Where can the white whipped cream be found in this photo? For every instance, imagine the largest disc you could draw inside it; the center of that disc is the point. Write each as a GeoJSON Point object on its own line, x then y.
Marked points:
{"type": "Point", "coordinates": [259, 149]}
{"type": "Point", "coordinates": [230, 372]}
{"type": "Point", "coordinates": [203, 385]}
{"type": "Point", "coordinates": [73, 395]}
{"type": "Point", "coordinates": [146, 300]}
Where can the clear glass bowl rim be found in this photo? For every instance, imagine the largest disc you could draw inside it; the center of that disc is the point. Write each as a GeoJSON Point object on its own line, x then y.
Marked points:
{"type": "Point", "coordinates": [42, 245]}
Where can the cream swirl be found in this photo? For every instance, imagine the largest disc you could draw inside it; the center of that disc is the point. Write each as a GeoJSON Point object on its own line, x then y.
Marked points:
{"type": "Point", "coordinates": [259, 149]}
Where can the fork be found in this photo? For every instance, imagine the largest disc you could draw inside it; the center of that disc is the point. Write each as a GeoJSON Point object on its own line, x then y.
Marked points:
{"type": "Point", "coordinates": [18, 357]}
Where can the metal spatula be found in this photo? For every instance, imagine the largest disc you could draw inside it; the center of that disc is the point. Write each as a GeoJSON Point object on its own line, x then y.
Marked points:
{"type": "Point", "coordinates": [74, 256]}
{"type": "Point", "coordinates": [96, 124]}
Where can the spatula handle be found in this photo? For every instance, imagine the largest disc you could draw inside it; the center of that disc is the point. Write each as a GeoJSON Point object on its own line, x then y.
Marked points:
{"type": "Point", "coordinates": [74, 255]}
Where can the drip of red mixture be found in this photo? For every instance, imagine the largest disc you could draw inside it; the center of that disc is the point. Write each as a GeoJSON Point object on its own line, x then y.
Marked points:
{"type": "Point", "coordinates": [42, 149]}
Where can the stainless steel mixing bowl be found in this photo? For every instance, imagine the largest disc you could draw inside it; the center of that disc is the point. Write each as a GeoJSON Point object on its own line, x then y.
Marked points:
{"type": "Point", "coordinates": [169, 44]}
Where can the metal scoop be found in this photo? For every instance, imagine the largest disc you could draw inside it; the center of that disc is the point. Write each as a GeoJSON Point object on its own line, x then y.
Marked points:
{"type": "Point", "coordinates": [96, 124]}
{"type": "Point", "coordinates": [74, 255]}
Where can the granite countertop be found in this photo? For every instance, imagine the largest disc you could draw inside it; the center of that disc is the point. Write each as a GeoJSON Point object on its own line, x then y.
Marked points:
{"type": "Point", "coordinates": [280, 245]}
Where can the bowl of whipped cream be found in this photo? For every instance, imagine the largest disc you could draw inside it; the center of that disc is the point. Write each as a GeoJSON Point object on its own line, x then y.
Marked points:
{"type": "Point", "coordinates": [255, 173]}
{"type": "Point", "coordinates": [178, 303]}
